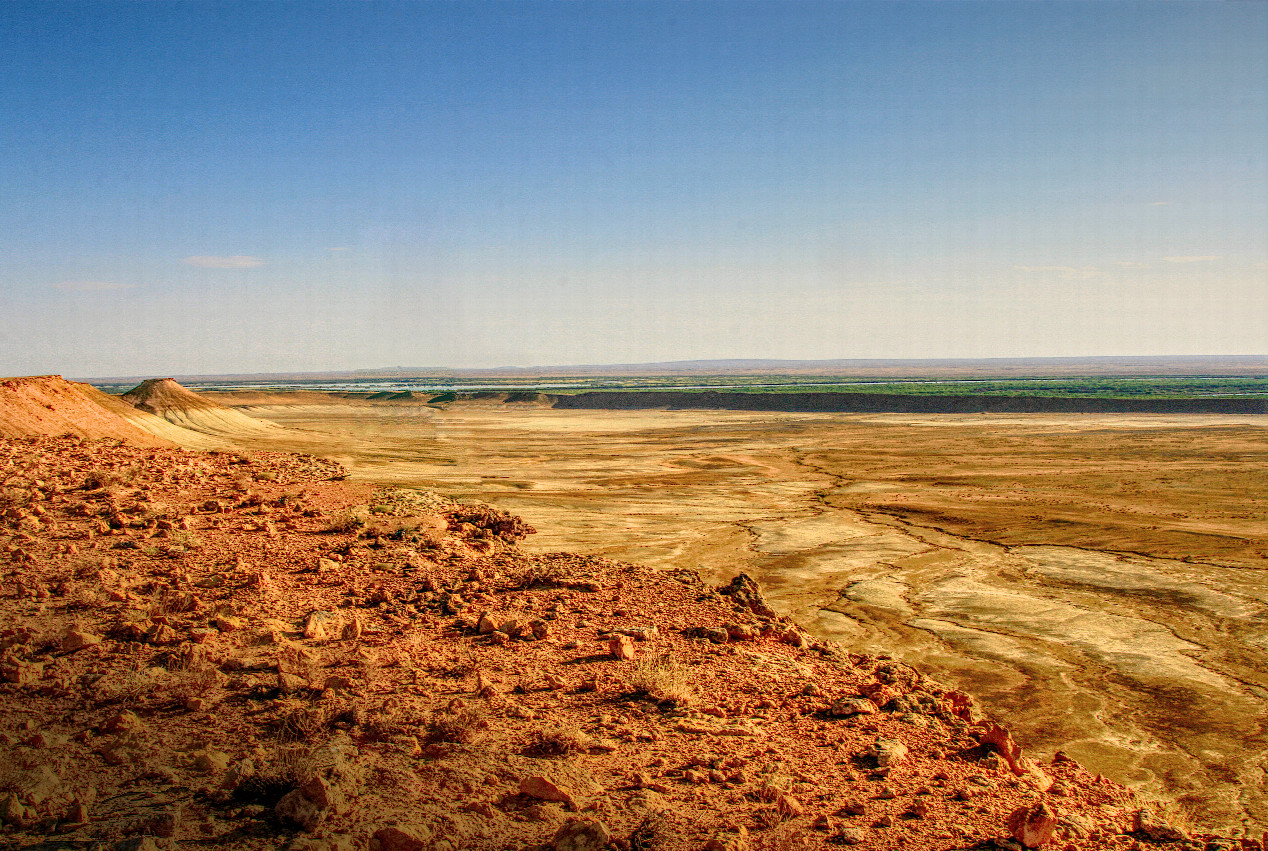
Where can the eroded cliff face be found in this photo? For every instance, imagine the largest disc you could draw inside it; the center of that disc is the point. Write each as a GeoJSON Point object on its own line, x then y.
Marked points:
{"type": "Point", "coordinates": [238, 648]}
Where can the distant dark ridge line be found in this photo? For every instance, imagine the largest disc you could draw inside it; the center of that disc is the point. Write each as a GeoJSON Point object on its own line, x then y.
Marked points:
{"type": "Point", "coordinates": [887, 403]}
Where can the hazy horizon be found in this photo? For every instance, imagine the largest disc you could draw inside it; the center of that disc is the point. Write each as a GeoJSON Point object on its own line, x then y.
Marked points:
{"type": "Point", "coordinates": [887, 368]}
{"type": "Point", "coordinates": [231, 188]}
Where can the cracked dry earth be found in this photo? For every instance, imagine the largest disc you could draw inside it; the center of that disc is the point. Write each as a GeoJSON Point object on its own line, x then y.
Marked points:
{"type": "Point", "coordinates": [225, 650]}
{"type": "Point", "coordinates": [1098, 580]}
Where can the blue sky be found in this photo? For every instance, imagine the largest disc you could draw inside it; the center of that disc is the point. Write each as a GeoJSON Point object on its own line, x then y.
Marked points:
{"type": "Point", "coordinates": [230, 187]}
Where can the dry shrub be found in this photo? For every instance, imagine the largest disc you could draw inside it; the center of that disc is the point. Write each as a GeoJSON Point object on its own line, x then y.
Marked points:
{"type": "Point", "coordinates": [98, 479]}
{"type": "Point", "coordinates": [128, 681]}
{"type": "Point", "coordinates": [284, 770]}
{"type": "Point", "coordinates": [393, 719]}
{"type": "Point", "coordinates": [456, 669]}
{"type": "Point", "coordinates": [784, 837]}
{"type": "Point", "coordinates": [347, 519]}
{"type": "Point", "coordinates": [188, 684]}
{"type": "Point", "coordinates": [82, 597]}
{"type": "Point", "coordinates": [297, 720]}
{"type": "Point", "coordinates": [561, 740]}
{"type": "Point", "coordinates": [653, 832]}
{"type": "Point", "coordinates": [663, 679]}
{"type": "Point", "coordinates": [461, 726]}
{"type": "Point", "coordinates": [185, 540]}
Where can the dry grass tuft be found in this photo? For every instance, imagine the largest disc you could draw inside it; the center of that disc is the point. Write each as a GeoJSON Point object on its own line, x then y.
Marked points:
{"type": "Point", "coordinates": [296, 720]}
{"type": "Point", "coordinates": [458, 668]}
{"type": "Point", "coordinates": [663, 679]}
{"type": "Point", "coordinates": [563, 740]}
{"type": "Point", "coordinates": [128, 681]}
{"type": "Point", "coordinates": [785, 837]}
{"type": "Point", "coordinates": [652, 833]}
{"type": "Point", "coordinates": [462, 726]}
{"type": "Point", "coordinates": [348, 519]}
{"type": "Point", "coordinates": [393, 719]}
{"type": "Point", "coordinates": [283, 771]}
{"type": "Point", "coordinates": [195, 682]}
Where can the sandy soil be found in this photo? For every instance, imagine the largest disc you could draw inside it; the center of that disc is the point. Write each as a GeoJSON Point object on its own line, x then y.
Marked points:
{"type": "Point", "coordinates": [1096, 579]}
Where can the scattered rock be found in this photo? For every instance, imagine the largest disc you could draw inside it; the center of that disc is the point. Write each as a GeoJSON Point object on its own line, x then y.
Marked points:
{"type": "Point", "coordinates": [295, 808]}
{"type": "Point", "coordinates": [20, 671]}
{"type": "Point", "coordinates": [1152, 827]}
{"type": "Point", "coordinates": [888, 752]}
{"type": "Point", "coordinates": [400, 691]}
{"type": "Point", "coordinates": [321, 625]}
{"type": "Point", "coordinates": [621, 647]}
{"type": "Point", "coordinates": [581, 835]}
{"type": "Point", "coordinates": [729, 840]}
{"type": "Point", "coordinates": [324, 794]}
{"type": "Point", "coordinates": [788, 806]}
{"type": "Point", "coordinates": [123, 722]}
{"type": "Point", "coordinates": [142, 843]}
{"type": "Point", "coordinates": [847, 706]}
{"type": "Point", "coordinates": [77, 638]}
{"type": "Point", "coordinates": [14, 812]}
{"type": "Point", "coordinates": [211, 761]}
{"type": "Point", "coordinates": [160, 634]}
{"type": "Point", "coordinates": [746, 593]}
{"type": "Point", "coordinates": [1032, 825]}
{"type": "Point", "coordinates": [851, 836]}
{"type": "Point", "coordinates": [1002, 741]}
{"type": "Point", "coordinates": [544, 789]}
{"type": "Point", "coordinates": [410, 838]}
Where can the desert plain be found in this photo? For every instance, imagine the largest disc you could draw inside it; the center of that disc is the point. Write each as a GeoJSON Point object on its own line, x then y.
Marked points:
{"type": "Point", "coordinates": [1100, 581]}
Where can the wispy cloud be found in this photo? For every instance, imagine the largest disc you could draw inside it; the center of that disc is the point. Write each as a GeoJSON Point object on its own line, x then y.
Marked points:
{"type": "Point", "coordinates": [1193, 258]}
{"type": "Point", "coordinates": [89, 286]}
{"type": "Point", "coordinates": [1160, 204]}
{"type": "Point", "coordinates": [1131, 264]}
{"type": "Point", "coordinates": [339, 248]}
{"type": "Point", "coordinates": [1063, 271]}
{"type": "Point", "coordinates": [235, 261]}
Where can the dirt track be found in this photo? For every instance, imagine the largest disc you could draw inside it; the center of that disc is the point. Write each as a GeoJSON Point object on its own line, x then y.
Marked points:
{"type": "Point", "coordinates": [1096, 579]}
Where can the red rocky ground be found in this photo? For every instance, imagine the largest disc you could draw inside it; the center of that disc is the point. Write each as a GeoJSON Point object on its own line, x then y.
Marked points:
{"type": "Point", "coordinates": [241, 651]}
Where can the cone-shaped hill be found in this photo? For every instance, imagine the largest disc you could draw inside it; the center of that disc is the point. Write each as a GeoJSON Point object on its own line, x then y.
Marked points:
{"type": "Point", "coordinates": [50, 405]}
{"type": "Point", "coordinates": [165, 398]}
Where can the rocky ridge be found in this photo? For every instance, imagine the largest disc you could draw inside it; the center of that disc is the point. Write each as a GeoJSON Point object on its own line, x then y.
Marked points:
{"type": "Point", "coordinates": [240, 650]}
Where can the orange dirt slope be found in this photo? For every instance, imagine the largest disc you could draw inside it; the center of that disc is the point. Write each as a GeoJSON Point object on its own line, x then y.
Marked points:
{"type": "Point", "coordinates": [49, 404]}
